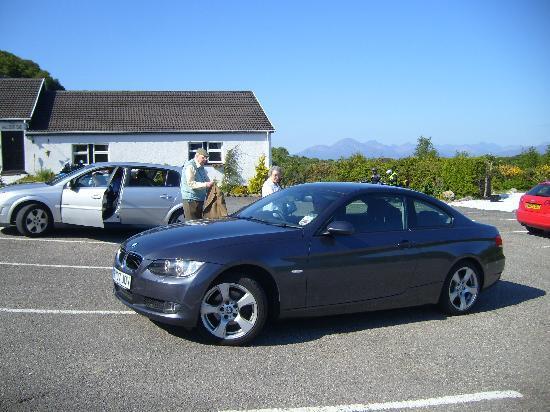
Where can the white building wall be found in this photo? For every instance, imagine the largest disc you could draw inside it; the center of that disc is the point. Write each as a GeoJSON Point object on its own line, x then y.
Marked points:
{"type": "Point", "coordinates": [52, 151]}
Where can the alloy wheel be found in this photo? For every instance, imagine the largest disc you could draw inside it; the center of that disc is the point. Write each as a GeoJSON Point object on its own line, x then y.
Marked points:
{"type": "Point", "coordinates": [36, 221]}
{"type": "Point", "coordinates": [229, 311]}
{"type": "Point", "coordinates": [463, 289]}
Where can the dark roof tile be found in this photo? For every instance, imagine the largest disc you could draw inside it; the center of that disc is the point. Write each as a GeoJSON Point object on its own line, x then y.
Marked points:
{"type": "Point", "coordinates": [18, 97]}
{"type": "Point", "coordinates": [119, 111]}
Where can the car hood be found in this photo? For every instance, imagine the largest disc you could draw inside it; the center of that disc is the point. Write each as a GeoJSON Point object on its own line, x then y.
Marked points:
{"type": "Point", "coordinates": [194, 239]}
{"type": "Point", "coordinates": [25, 187]}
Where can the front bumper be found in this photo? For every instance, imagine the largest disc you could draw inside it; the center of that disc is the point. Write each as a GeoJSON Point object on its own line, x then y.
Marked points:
{"type": "Point", "coordinates": [174, 301]}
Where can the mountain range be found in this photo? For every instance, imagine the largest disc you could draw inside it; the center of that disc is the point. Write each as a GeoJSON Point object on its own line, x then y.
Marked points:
{"type": "Point", "coordinates": [372, 148]}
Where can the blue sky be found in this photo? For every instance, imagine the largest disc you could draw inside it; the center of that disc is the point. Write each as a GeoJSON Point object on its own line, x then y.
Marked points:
{"type": "Point", "coordinates": [458, 71]}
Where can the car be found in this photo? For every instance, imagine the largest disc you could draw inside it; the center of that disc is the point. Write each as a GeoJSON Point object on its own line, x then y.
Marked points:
{"type": "Point", "coordinates": [112, 194]}
{"type": "Point", "coordinates": [534, 208]}
{"type": "Point", "coordinates": [315, 249]}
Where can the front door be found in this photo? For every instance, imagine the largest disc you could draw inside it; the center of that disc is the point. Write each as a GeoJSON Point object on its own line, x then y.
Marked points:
{"type": "Point", "coordinates": [13, 152]}
{"type": "Point", "coordinates": [373, 262]}
{"type": "Point", "coordinates": [82, 202]}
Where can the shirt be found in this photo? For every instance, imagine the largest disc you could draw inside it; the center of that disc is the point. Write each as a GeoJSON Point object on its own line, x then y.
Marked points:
{"type": "Point", "coordinates": [269, 187]}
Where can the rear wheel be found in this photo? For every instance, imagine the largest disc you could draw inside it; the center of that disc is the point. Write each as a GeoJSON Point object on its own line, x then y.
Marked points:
{"type": "Point", "coordinates": [33, 220]}
{"type": "Point", "coordinates": [532, 230]}
{"type": "Point", "coordinates": [233, 311]}
{"type": "Point", "coordinates": [461, 289]}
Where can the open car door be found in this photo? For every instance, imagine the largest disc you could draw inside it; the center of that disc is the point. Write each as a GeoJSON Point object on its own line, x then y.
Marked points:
{"type": "Point", "coordinates": [82, 200]}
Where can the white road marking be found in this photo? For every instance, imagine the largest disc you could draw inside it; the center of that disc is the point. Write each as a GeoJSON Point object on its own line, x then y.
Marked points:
{"type": "Point", "coordinates": [54, 266]}
{"type": "Point", "coordinates": [59, 241]}
{"type": "Point", "coordinates": [545, 247]}
{"type": "Point", "coordinates": [419, 403]}
{"type": "Point", "coordinates": [69, 312]}
{"type": "Point", "coordinates": [519, 231]}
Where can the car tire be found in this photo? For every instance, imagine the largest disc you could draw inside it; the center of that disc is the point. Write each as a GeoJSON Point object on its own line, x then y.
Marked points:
{"type": "Point", "coordinates": [532, 230]}
{"type": "Point", "coordinates": [233, 311]}
{"type": "Point", "coordinates": [461, 289]}
{"type": "Point", "coordinates": [34, 220]}
{"type": "Point", "coordinates": [177, 217]}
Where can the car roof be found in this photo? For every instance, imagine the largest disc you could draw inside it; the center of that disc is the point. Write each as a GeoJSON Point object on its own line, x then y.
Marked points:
{"type": "Point", "coordinates": [135, 164]}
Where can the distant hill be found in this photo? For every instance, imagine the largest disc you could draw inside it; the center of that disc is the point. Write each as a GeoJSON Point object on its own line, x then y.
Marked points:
{"type": "Point", "coordinates": [373, 148]}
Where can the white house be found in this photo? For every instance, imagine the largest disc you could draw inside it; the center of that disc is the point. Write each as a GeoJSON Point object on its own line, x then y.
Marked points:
{"type": "Point", "coordinates": [45, 129]}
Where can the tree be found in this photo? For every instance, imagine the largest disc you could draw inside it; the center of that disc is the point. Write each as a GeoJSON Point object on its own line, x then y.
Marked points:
{"type": "Point", "coordinates": [425, 148]}
{"type": "Point", "coordinates": [231, 170]}
{"type": "Point", "coordinates": [255, 184]}
{"type": "Point", "coordinates": [16, 67]}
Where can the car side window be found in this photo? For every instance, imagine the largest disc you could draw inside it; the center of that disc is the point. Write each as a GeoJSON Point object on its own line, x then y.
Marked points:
{"type": "Point", "coordinates": [142, 177]}
{"type": "Point", "coordinates": [95, 178]}
{"type": "Point", "coordinates": [374, 213]}
{"type": "Point", "coordinates": [173, 179]}
{"type": "Point", "coordinates": [426, 215]}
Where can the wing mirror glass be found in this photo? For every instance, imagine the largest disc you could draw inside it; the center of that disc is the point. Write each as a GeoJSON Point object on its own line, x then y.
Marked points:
{"type": "Point", "coordinates": [339, 227]}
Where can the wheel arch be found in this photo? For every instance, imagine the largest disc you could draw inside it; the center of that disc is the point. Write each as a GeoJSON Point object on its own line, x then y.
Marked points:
{"type": "Point", "coordinates": [474, 262]}
{"type": "Point", "coordinates": [15, 210]}
{"type": "Point", "coordinates": [266, 280]}
{"type": "Point", "coordinates": [172, 212]}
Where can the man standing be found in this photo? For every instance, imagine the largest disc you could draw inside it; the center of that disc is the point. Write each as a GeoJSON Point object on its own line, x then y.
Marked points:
{"type": "Point", "coordinates": [195, 185]}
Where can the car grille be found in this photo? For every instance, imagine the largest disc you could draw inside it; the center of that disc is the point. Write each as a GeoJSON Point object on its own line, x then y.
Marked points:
{"type": "Point", "coordinates": [128, 260]}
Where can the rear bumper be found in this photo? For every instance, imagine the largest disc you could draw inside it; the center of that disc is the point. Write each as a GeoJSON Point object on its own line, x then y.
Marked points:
{"type": "Point", "coordinates": [536, 220]}
{"type": "Point", "coordinates": [493, 272]}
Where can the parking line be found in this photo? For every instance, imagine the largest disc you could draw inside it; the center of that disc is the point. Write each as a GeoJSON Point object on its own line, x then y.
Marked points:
{"type": "Point", "coordinates": [68, 312]}
{"type": "Point", "coordinates": [419, 403]}
{"type": "Point", "coordinates": [54, 266]}
{"type": "Point", "coordinates": [93, 242]}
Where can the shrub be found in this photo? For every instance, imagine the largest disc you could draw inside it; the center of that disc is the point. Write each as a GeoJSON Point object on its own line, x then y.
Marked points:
{"type": "Point", "coordinates": [231, 170]}
{"type": "Point", "coordinates": [240, 190]}
{"type": "Point", "coordinates": [255, 184]}
{"type": "Point", "coordinates": [42, 176]}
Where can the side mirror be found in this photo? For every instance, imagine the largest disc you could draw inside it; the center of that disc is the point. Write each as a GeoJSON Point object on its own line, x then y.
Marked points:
{"type": "Point", "coordinates": [339, 227]}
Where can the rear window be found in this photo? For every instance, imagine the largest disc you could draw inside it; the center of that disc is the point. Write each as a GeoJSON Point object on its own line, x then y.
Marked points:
{"type": "Point", "coordinates": [540, 190]}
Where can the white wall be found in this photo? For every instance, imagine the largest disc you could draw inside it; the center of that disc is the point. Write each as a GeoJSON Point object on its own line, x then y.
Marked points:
{"type": "Point", "coordinates": [149, 148]}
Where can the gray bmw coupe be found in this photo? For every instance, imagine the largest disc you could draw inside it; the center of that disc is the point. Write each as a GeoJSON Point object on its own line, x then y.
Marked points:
{"type": "Point", "coordinates": [309, 250]}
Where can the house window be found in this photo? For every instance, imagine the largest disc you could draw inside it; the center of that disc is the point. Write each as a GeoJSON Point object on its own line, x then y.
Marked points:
{"type": "Point", "coordinates": [90, 153]}
{"type": "Point", "coordinates": [214, 150]}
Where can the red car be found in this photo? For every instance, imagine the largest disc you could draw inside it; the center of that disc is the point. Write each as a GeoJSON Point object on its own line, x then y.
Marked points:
{"type": "Point", "coordinates": [534, 208]}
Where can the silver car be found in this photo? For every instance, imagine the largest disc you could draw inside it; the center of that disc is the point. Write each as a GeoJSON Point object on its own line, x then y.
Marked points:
{"type": "Point", "coordinates": [99, 195]}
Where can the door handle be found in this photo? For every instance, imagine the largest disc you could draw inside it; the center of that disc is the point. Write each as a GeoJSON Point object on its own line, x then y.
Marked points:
{"type": "Point", "coordinates": [165, 197]}
{"type": "Point", "coordinates": [97, 197]}
{"type": "Point", "coordinates": [405, 244]}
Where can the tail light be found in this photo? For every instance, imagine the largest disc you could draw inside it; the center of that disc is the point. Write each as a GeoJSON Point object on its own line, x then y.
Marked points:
{"type": "Point", "coordinates": [498, 241]}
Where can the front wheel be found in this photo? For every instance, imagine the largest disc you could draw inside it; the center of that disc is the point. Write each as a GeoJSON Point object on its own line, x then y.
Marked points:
{"type": "Point", "coordinates": [233, 311]}
{"type": "Point", "coordinates": [33, 220]}
{"type": "Point", "coordinates": [460, 290]}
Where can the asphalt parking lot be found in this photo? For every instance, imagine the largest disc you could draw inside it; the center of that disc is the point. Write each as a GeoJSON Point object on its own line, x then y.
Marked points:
{"type": "Point", "coordinates": [67, 343]}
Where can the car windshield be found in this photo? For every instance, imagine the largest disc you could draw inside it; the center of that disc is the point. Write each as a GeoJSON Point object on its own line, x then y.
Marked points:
{"type": "Point", "coordinates": [296, 206]}
{"type": "Point", "coordinates": [540, 190]}
{"type": "Point", "coordinates": [60, 176]}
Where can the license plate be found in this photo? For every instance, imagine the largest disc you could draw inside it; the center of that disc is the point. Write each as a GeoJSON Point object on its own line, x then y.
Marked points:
{"type": "Point", "coordinates": [533, 206]}
{"type": "Point", "coordinates": [122, 279]}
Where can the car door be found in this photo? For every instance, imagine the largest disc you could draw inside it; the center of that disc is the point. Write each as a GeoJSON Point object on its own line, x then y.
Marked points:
{"type": "Point", "coordinates": [371, 263]}
{"type": "Point", "coordinates": [148, 195]}
{"type": "Point", "coordinates": [434, 241]}
{"type": "Point", "coordinates": [82, 199]}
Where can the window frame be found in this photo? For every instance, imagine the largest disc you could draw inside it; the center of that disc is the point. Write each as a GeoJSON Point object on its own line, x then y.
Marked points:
{"type": "Point", "coordinates": [90, 152]}
{"type": "Point", "coordinates": [206, 146]}
{"type": "Point", "coordinates": [411, 210]}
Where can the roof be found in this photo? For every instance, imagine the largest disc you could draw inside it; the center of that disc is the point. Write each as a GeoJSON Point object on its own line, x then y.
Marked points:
{"type": "Point", "coordinates": [18, 97]}
{"type": "Point", "coordinates": [148, 111]}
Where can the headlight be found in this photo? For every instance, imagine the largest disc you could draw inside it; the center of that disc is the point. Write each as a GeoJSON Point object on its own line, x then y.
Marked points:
{"type": "Point", "coordinates": [175, 267]}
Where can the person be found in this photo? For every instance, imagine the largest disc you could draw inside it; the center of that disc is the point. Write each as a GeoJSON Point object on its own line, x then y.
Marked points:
{"type": "Point", "coordinates": [271, 185]}
{"type": "Point", "coordinates": [375, 178]}
{"type": "Point", "coordinates": [194, 185]}
{"type": "Point", "coordinates": [392, 177]}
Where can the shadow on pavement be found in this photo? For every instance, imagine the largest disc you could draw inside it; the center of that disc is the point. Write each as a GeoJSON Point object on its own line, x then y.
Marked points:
{"type": "Point", "coordinates": [89, 233]}
{"type": "Point", "coordinates": [293, 331]}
